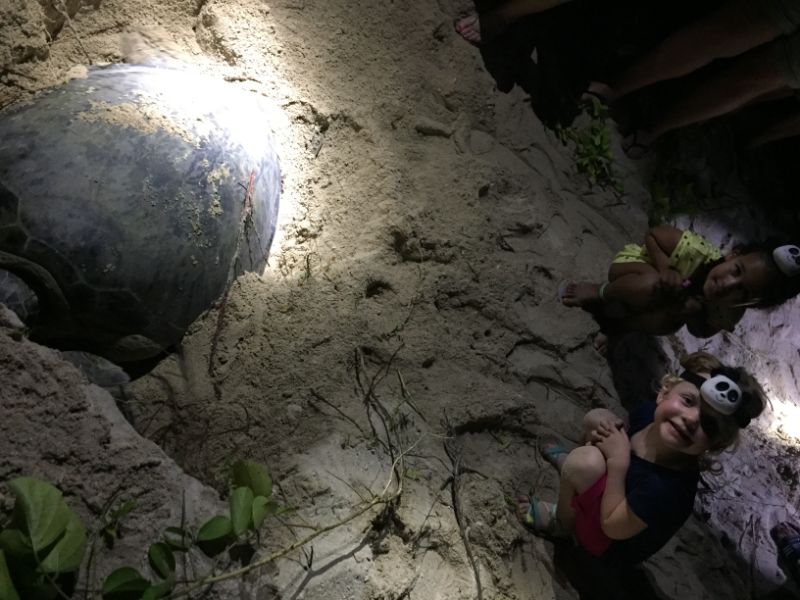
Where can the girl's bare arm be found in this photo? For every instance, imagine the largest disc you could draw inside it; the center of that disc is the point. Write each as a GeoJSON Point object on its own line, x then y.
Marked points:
{"type": "Point", "coordinates": [660, 241]}
{"type": "Point", "coordinates": [617, 519]}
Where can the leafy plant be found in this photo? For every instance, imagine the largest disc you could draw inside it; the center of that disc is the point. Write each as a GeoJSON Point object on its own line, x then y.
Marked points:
{"type": "Point", "coordinates": [42, 546]}
{"type": "Point", "coordinates": [250, 503]}
{"type": "Point", "coordinates": [43, 543]}
{"type": "Point", "coordinates": [592, 147]}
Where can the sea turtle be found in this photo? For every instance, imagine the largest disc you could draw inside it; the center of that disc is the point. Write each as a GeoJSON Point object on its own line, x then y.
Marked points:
{"type": "Point", "coordinates": [129, 199]}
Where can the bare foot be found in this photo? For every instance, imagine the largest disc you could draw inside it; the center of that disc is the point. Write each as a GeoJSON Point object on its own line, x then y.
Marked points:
{"type": "Point", "coordinates": [477, 29]}
{"type": "Point", "coordinates": [469, 28]}
{"type": "Point", "coordinates": [600, 344]}
{"type": "Point", "coordinates": [602, 92]}
{"type": "Point", "coordinates": [578, 294]}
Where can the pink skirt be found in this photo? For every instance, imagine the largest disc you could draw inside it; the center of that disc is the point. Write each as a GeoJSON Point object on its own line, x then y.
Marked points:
{"type": "Point", "coordinates": [588, 528]}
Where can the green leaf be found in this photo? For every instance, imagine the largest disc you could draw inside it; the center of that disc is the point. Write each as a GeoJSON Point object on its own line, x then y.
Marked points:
{"type": "Point", "coordinates": [158, 591]}
{"type": "Point", "coordinates": [260, 510]}
{"type": "Point", "coordinates": [123, 510]}
{"type": "Point", "coordinates": [15, 543]}
{"type": "Point", "coordinates": [162, 560]}
{"type": "Point", "coordinates": [178, 539]}
{"type": "Point", "coordinates": [43, 508]}
{"type": "Point", "coordinates": [126, 583]}
{"type": "Point", "coordinates": [250, 474]}
{"type": "Point", "coordinates": [215, 528]}
{"type": "Point", "coordinates": [7, 590]}
{"type": "Point", "coordinates": [68, 552]}
{"type": "Point", "coordinates": [241, 509]}
{"type": "Point", "coordinates": [215, 535]}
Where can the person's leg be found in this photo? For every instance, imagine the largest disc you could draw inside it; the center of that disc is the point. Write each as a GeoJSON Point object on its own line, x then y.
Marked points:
{"type": "Point", "coordinates": [632, 284]}
{"type": "Point", "coordinates": [635, 285]}
{"type": "Point", "coordinates": [746, 78]}
{"type": "Point", "coordinates": [581, 469]}
{"type": "Point", "coordinates": [477, 28]}
{"type": "Point", "coordinates": [662, 321]}
{"type": "Point", "coordinates": [786, 127]}
{"type": "Point", "coordinates": [732, 29]}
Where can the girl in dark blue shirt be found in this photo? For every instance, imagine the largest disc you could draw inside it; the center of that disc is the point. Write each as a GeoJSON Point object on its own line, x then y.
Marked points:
{"type": "Point", "coordinates": [626, 493]}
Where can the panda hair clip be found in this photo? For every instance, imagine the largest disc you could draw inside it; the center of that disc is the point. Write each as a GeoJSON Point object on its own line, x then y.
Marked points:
{"type": "Point", "coordinates": [788, 259]}
{"type": "Point", "coordinates": [719, 391]}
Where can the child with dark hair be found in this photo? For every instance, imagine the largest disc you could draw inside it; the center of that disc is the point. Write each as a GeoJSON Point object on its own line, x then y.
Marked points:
{"type": "Point", "coordinates": [626, 492]}
{"type": "Point", "coordinates": [678, 278]}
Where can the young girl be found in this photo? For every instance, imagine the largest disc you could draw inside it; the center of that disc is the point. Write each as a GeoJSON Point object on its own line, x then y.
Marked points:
{"type": "Point", "coordinates": [628, 492]}
{"type": "Point", "coordinates": [678, 278]}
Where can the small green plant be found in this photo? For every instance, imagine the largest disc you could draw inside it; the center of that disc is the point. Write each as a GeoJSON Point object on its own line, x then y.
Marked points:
{"type": "Point", "coordinates": [592, 149]}
{"type": "Point", "coordinates": [43, 542]}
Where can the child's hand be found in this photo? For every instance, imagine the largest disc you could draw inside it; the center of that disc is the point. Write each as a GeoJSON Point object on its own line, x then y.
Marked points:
{"type": "Point", "coordinates": [670, 280]}
{"type": "Point", "coordinates": [613, 443]}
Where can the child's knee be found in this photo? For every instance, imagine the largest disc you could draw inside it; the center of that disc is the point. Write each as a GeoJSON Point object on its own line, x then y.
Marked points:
{"type": "Point", "coordinates": [583, 466]}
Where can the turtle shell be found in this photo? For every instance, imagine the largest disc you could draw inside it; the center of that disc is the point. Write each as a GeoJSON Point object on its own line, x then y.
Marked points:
{"type": "Point", "coordinates": [129, 199]}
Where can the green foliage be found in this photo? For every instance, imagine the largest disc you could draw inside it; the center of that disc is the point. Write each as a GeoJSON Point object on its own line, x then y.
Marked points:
{"type": "Point", "coordinates": [178, 539]}
{"type": "Point", "coordinates": [247, 473]}
{"type": "Point", "coordinates": [592, 151]}
{"type": "Point", "coordinates": [241, 510]}
{"type": "Point", "coordinates": [110, 528]}
{"type": "Point", "coordinates": [215, 535]}
{"type": "Point", "coordinates": [7, 590]}
{"type": "Point", "coordinates": [263, 508]}
{"type": "Point", "coordinates": [126, 583]}
{"type": "Point", "coordinates": [162, 560]}
{"type": "Point", "coordinates": [42, 545]}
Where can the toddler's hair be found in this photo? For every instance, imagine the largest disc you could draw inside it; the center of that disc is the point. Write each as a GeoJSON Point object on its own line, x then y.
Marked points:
{"type": "Point", "coordinates": [782, 287]}
{"type": "Point", "coordinates": [753, 397]}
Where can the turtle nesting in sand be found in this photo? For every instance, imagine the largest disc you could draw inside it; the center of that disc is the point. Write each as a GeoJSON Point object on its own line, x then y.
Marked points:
{"type": "Point", "coordinates": [128, 201]}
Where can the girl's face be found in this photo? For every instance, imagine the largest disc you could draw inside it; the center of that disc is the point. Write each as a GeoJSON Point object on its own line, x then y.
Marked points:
{"type": "Point", "coordinates": [739, 279]}
{"type": "Point", "coordinates": [681, 416]}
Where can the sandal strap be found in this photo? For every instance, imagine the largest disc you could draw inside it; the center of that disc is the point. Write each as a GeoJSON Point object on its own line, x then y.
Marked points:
{"type": "Point", "coordinates": [790, 547]}
{"type": "Point", "coordinates": [534, 520]}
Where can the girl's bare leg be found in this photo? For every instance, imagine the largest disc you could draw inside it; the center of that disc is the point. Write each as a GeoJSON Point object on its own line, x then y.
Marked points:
{"type": "Point", "coordinates": [653, 322]}
{"type": "Point", "coordinates": [630, 283]}
{"type": "Point", "coordinates": [633, 284]}
{"type": "Point", "coordinates": [582, 468]}
{"type": "Point", "coordinates": [732, 29]}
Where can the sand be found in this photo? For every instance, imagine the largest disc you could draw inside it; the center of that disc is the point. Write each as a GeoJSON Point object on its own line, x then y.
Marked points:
{"type": "Point", "coordinates": [408, 307]}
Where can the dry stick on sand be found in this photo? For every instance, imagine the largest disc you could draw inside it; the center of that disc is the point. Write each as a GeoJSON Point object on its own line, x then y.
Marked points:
{"type": "Point", "coordinates": [371, 401]}
{"type": "Point", "coordinates": [318, 397]}
{"type": "Point", "coordinates": [454, 453]}
{"type": "Point", "coordinates": [62, 9]}
{"type": "Point", "coordinates": [396, 474]}
{"type": "Point", "coordinates": [384, 498]}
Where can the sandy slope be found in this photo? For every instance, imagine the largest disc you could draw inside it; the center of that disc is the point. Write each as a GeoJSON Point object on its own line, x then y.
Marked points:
{"type": "Point", "coordinates": [408, 303]}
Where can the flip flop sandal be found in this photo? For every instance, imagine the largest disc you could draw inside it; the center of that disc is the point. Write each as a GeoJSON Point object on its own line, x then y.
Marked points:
{"type": "Point", "coordinates": [532, 520]}
{"type": "Point", "coordinates": [551, 450]}
{"type": "Point", "coordinates": [789, 552]}
{"type": "Point", "coordinates": [635, 150]}
{"type": "Point", "coordinates": [562, 290]}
